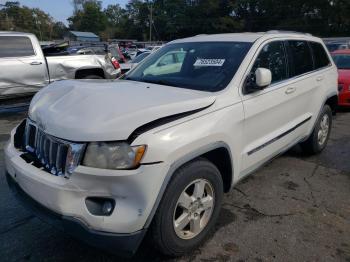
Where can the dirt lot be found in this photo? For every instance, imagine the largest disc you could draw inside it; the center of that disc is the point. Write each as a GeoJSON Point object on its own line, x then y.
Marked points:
{"type": "Point", "coordinates": [296, 208]}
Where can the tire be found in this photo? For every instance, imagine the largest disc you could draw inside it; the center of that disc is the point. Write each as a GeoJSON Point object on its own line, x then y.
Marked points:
{"type": "Point", "coordinates": [320, 134]}
{"type": "Point", "coordinates": [92, 77]}
{"type": "Point", "coordinates": [176, 242]}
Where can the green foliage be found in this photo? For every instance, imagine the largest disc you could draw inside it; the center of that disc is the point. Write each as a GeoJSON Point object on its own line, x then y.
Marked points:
{"type": "Point", "coordinates": [90, 18]}
{"type": "Point", "coordinates": [181, 18]}
{"type": "Point", "coordinates": [24, 19]}
{"type": "Point", "coordinates": [319, 17]}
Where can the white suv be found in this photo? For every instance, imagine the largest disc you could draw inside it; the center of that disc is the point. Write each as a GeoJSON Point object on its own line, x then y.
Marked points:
{"type": "Point", "coordinates": [156, 150]}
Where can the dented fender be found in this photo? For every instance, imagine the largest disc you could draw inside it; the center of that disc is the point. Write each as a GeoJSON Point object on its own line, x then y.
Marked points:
{"type": "Point", "coordinates": [65, 67]}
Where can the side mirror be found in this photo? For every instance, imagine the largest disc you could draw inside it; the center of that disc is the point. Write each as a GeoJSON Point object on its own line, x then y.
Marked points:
{"type": "Point", "coordinates": [258, 81]}
{"type": "Point", "coordinates": [263, 77]}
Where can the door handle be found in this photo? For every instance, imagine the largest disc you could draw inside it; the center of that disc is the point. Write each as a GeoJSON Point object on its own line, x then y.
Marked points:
{"type": "Point", "coordinates": [319, 78]}
{"type": "Point", "coordinates": [290, 90]}
{"type": "Point", "coordinates": [35, 63]}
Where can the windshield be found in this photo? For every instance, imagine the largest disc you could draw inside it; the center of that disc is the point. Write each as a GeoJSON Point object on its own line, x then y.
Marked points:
{"type": "Point", "coordinates": [342, 61]}
{"type": "Point", "coordinates": [140, 57]}
{"type": "Point", "coordinates": [205, 66]}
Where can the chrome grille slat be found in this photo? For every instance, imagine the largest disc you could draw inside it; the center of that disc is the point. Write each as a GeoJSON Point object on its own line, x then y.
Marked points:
{"type": "Point", "coordinates": [47, 152]}
{"type": "Point", "coordinates": [58, 159]}
{"type": "Point", "coordinates": [52, 152]}
{"type": "Point", "coordinates": [42, 149]}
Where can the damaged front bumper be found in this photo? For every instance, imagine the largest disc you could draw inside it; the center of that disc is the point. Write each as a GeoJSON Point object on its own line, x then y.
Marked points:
{"type": "Point", "coordinates": [121, 244]}
{"type": "Point", "coordinates": [134, 193]}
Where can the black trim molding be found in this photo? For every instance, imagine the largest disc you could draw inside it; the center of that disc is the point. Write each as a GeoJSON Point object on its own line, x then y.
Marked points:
{"type": "Point", "coordinates": [278, 137]}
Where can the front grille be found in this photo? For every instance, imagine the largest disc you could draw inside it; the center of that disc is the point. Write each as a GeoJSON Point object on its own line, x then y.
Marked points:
{"type": "Point", "coordinates": [57, 156]}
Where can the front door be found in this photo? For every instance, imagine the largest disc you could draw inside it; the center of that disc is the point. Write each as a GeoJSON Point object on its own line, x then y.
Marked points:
{"type": "Point", "coordinates": [22, 69]}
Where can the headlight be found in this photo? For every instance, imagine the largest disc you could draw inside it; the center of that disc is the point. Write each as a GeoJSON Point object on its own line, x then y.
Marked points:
{"type": "Point", "coordinates": [113, 155]}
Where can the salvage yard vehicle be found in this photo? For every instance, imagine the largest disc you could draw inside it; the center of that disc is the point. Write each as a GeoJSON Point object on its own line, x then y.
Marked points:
{"type": "Point", "coordinates": [24, 69]}
{"type": "Point", "coordinates": [134, 62]}
{"type": "Point", "coordinates": [109, 161]}
{"type": "Point", "coordinates": [342, 60]}
{"type": "Point", "coordinates": [333, 46]}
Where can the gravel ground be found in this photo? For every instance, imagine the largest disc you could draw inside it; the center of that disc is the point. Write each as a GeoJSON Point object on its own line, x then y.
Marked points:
{"type": "Point", "coordinates": [296, 208]}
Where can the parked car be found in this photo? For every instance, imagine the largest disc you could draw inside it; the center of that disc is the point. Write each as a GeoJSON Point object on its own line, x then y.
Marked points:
{"type": "Point", "coordinates": [333, 46]}
{"type": "Point", "coordinates": [153, 48]}
{"type": "Point", "coordinates": [92, 50]}
{"type": "Point", "coordinates": [110, 161]}
{"type": "Point", "coordinates": [131, 64]}
{"type": "Point", "coordinates": [342, 60]}
{"type": "Point", "coordinates": [131, 51]}
{"type": "Point", "coordinates": [132, 55]}
{"type": "Point", "coordinates": [24, 68]}
{"type": "Point", "coordinates": [117, 53]}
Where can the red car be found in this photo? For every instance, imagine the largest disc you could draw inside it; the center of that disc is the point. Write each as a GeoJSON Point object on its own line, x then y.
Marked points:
{"type": "Point", "coordinates": [342, 60]}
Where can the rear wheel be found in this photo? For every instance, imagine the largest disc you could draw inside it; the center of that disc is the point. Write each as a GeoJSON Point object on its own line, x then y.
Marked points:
{"type": "Point", "coordinates": [320, 135]}
{"type": "Point", "coordinates": [189, 208]}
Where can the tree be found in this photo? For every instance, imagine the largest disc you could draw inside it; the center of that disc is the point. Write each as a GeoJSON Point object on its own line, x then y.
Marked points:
{"type": "Point", "coordinates": [25, 19]}
{"type": "Point", "coordinates": [181, 18]}
{"type": "Point", "coordinates": [90, 18]}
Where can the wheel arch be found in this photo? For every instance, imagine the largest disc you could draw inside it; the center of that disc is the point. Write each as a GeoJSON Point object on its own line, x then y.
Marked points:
{"type": "Point", "coordinates": [218, 153]}
{"type": "Point", "coordinates": [332, 101]}
{"type": "Point", "coordinates": [80, 73]}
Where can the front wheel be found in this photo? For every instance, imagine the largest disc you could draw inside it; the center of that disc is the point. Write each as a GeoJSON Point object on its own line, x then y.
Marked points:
{"type": "Point", "coordinates": [189, 208]}
{"type": "Point", "coordinates": [320, 135]}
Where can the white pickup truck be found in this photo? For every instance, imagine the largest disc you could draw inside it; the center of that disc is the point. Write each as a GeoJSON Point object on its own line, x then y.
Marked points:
{"type": "Point", "coordinates": [24, 69]}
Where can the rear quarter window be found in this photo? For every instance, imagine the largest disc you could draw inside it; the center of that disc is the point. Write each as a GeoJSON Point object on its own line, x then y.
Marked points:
{"type": "Point", "coordinates": [320, 56]}
{"type": "Point", "coordinates": [15, 46]}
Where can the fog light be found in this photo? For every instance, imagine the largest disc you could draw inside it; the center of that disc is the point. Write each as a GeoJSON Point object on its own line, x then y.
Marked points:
{"type": "Point", "coordinates": [100, 206]}
{"type": "Point", "coordinates": [107, 207]}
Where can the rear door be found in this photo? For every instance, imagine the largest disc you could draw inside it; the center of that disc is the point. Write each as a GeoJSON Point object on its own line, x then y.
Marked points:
{"type": "Point", "coordinates": [22, 69]}
{"type": "Point", "coordinates": [308, 74]}
{"type": "Point", "coordinates": [323, 77]}
{"type": "Point", "coordinates": [274, 116]}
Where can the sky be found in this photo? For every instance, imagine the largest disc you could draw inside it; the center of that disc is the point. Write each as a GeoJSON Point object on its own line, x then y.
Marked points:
{"type": "Point", "coordinates": [60, 10]}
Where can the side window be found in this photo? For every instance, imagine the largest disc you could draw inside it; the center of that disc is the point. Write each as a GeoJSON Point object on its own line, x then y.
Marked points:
{"type": "Point", "coordinates": [320, 56]}
{"type": "Point", "coordinates": [273, 57]}
{"type": "Point", "coordinates": [300, 57]}
{"type": "Point", "coordinates": [15, 46]}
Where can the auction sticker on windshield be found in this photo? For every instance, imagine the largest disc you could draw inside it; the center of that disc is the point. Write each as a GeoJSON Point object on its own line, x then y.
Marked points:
{"type": "Point", "coordinates": [209, 62]}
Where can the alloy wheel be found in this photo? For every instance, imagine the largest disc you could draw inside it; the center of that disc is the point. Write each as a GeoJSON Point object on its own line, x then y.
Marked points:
{"type": "Point", "coordinates": [194, 209]}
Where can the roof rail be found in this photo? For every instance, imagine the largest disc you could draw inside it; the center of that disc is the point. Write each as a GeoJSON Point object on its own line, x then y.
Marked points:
{"type": "Point", "coordinates": [286, 32]}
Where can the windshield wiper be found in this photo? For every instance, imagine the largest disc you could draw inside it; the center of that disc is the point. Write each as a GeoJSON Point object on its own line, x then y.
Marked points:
{"type": "Point", "coordinates": [158, 82]}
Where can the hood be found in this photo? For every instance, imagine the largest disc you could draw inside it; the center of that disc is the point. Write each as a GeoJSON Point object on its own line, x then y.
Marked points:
{"type": "Point", "coordinates": [95, 110]}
